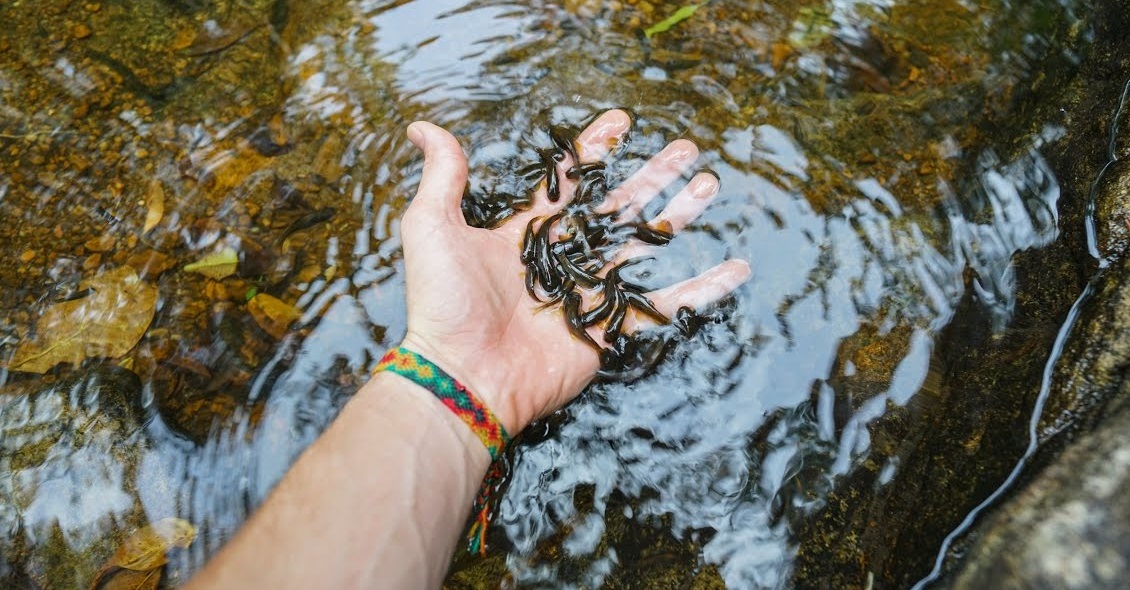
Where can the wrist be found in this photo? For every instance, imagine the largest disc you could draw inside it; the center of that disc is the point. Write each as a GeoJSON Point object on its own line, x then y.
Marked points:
{"type": "Point", "coordinates": [390, 393]}
{"type": "Point", "coordinates": [477, 381]}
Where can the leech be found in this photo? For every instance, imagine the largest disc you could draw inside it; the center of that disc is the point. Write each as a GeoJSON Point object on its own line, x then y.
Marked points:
{"type": "Point", "coordinates": [531, 170]}
{"type": "Point", "coordinates": [645, 306]}
{"type": "Point", "coordinates": [531, 281]}
{"type": "Point", "coordinates": [605, 309]}
{"type": "Point", "coordinates": [572, 309]}
{"type": "Point", "coordinates": [579, 170]}
{"type": "Point", "coordinates": [656, 355]}
{"type": "Point", "coordinates": [687, 322]}
{"type": "Point", "coordinates": [529, 244]}
{"type": "Point", "coordinates": [587, 190]}
{"type": "Point", "coordinates": [650, 235]}
{"type": "Point", "coordinates": [580, 275]}
{"type": "Point", "coordinates": [563, 137]}
{"type": "Point", "coordinates": [541, 243]}
{"type": "Point", "coordinates": [612, 330]}
{"type": "Point", "coordinates": [552, 186]}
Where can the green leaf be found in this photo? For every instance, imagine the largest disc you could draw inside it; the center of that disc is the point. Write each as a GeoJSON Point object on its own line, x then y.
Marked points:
{"type": "Point", "coordinates": [680, 15]}
{"type": "Point", "coordinates": [216, 266]}
{"type": "Point", "coordinates": [253, 291]}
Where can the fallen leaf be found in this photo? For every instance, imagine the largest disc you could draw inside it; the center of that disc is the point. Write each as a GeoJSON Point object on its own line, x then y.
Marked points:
{"type": "Point", "coordinates": [273, 315]}
{"type": "Point", "coordinates": [146, 549]}
{"type": "Point", "coordinates": [150, 263]}
{"type": "Point", "coordinates": [123, 579]}
{"type": "Point", "coordinates": [106, 323]}
{"type": "Point", "coordinates": [155, 206]}
{"type": "Point", "coordinates": [216, 266]}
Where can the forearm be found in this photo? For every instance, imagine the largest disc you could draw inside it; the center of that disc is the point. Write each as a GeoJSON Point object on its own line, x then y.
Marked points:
{"type": "Point", "coordinates": [377, 501]}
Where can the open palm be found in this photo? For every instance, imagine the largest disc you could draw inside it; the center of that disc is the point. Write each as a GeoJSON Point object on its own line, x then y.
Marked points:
{"type": "Point", "coordinates": [468, 310]}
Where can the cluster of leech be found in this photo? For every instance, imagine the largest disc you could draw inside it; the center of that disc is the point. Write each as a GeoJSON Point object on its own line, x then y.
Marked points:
{"type": "Point", "coordinates": [564, 252]}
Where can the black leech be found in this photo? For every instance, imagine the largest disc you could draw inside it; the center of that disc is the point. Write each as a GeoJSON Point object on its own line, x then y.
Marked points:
{"type": "Point", "coordinates": [650, 235]}
{"type": "Point", "coordinates": [563, 137]}
{"type": "Point", "coordinates": [552, 186]}
{"type": "Point", "coordinates": [572, 309]}
{"type": "Point", "coordinates": [579, 170]}
{"type": "Point", "coordinates": [529, 244]}
{"type": "Point", "coordinates": [645, 306]}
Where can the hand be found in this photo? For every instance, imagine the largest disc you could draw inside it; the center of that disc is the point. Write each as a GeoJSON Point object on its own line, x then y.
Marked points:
{"type": "Point", "coordinates": [468, 310]}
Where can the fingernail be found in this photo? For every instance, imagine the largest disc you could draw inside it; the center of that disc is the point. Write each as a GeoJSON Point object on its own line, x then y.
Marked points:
{"type": "Point", "coordinates": [416, 136]}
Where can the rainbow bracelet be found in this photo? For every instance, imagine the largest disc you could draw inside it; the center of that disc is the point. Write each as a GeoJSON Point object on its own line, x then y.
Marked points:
{"type": "Point", "coordinates": [472, 411]}
{"type": "Point", "coordinates": [453, 394]}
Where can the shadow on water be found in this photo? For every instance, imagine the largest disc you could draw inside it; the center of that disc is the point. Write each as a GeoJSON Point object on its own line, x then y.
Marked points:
{"type": "Point", "coordinates": [861, 171]}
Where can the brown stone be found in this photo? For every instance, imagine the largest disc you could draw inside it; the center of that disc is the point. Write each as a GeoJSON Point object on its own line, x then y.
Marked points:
{"type": "Point", "coordinates": [81, 31]}
{"type": "Point", "coordinates": [92, 262]}
{"type": "Point", "coordinates": [102, 243]}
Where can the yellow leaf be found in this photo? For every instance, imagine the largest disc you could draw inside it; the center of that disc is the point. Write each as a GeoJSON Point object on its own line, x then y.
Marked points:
{"type": "Point", "coordinates": [273, 315]}
{"type": "Point", "coordinates": [124, 579]}
{"type": "Point", "coordinates": [155, 204]}
{"type": "Point", "coordinates": [216, 266]}
{"type": "Point", "coordinates": [146, 549]}
{"type": "Point", "coordinates": [107, 322]}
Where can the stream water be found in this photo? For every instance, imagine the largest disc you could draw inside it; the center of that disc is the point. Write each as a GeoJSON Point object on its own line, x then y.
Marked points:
{"type": "Point", "coordinates": [866, 173]}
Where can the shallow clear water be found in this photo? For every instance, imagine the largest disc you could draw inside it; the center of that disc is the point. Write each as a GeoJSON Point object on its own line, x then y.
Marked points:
{"type": "Point", "coordinates": [858, 173]}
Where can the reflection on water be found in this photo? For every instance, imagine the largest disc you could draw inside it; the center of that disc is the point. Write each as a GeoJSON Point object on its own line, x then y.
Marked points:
{"type": "Point", "coordinates": [857, 177]}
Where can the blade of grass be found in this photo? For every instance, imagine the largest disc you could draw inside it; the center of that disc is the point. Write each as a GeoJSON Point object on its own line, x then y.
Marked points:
{"type": "Point", "coordinates": [680, 15]}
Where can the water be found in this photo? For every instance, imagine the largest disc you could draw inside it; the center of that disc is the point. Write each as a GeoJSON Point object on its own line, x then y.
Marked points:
{"type": "Point", "coordinates": [858, 173]}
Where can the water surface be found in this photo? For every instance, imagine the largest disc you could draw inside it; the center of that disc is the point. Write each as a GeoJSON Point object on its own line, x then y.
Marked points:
{"type": "Point", "coordinates": [863, 174]}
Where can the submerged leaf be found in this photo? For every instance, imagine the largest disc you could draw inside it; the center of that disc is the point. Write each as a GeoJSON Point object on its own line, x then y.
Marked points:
{"type": "Point", "coordinates": [106, 323]}
{"type": "Point", "coordinates": [124, 579]}
{"type": "Point", "coordinates": [217, 266]}
{"type": "Point", "coordinates": [273, 315]}
{"type": "Point", "coordinates": [146, 549]}
{"type": "Point", "coordinates": [155, 206]}
{"type": "Point", "coordinates": [680, 15]}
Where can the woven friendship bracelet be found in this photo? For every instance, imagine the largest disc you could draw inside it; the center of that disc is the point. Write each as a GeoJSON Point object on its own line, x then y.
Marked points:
{"type": "Point", "coordinates": [452, 393]}
{"type": "Point", "coordinates": [470, 410]}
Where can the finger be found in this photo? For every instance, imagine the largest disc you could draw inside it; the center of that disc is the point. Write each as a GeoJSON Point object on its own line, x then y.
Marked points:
{"type": "Point", "coordinates": [684, 208]}
{"type": "Point", "coordinates": [445, 172]}
{"type": "Point", "coordinates": [602, 135]}
{"type": "Point", "coordinates": [650, 180]}
{"type": "Point", "coordinates": [698, 292]}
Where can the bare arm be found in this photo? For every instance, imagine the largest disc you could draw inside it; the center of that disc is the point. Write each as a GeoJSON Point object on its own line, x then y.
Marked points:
{"type": "Point", "coordinates": [379, 499]}
{"type": "Point", "coordinates": [376, 502]}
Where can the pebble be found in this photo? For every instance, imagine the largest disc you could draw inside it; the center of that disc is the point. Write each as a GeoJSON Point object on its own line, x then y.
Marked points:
{"type": "Point", "coordinates": [92, 262]}
{"type": "Point", "coordinates": [81, 31]}
{"type": "Point", "coordinates": [101, 243]}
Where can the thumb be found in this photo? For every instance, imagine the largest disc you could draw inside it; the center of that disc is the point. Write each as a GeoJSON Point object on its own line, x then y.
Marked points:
{"type": "Point", "coordinates": [445, 171]}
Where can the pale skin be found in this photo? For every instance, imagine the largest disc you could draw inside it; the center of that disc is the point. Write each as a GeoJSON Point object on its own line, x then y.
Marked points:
{"type": "Point", "coordinates": [380, 499]}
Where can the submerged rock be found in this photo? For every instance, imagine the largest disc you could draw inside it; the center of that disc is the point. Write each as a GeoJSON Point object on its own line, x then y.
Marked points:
{"type": "Point", "coordinates": [1070, 528]}
{"type": "Point", "coordinates": [953, 446]}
